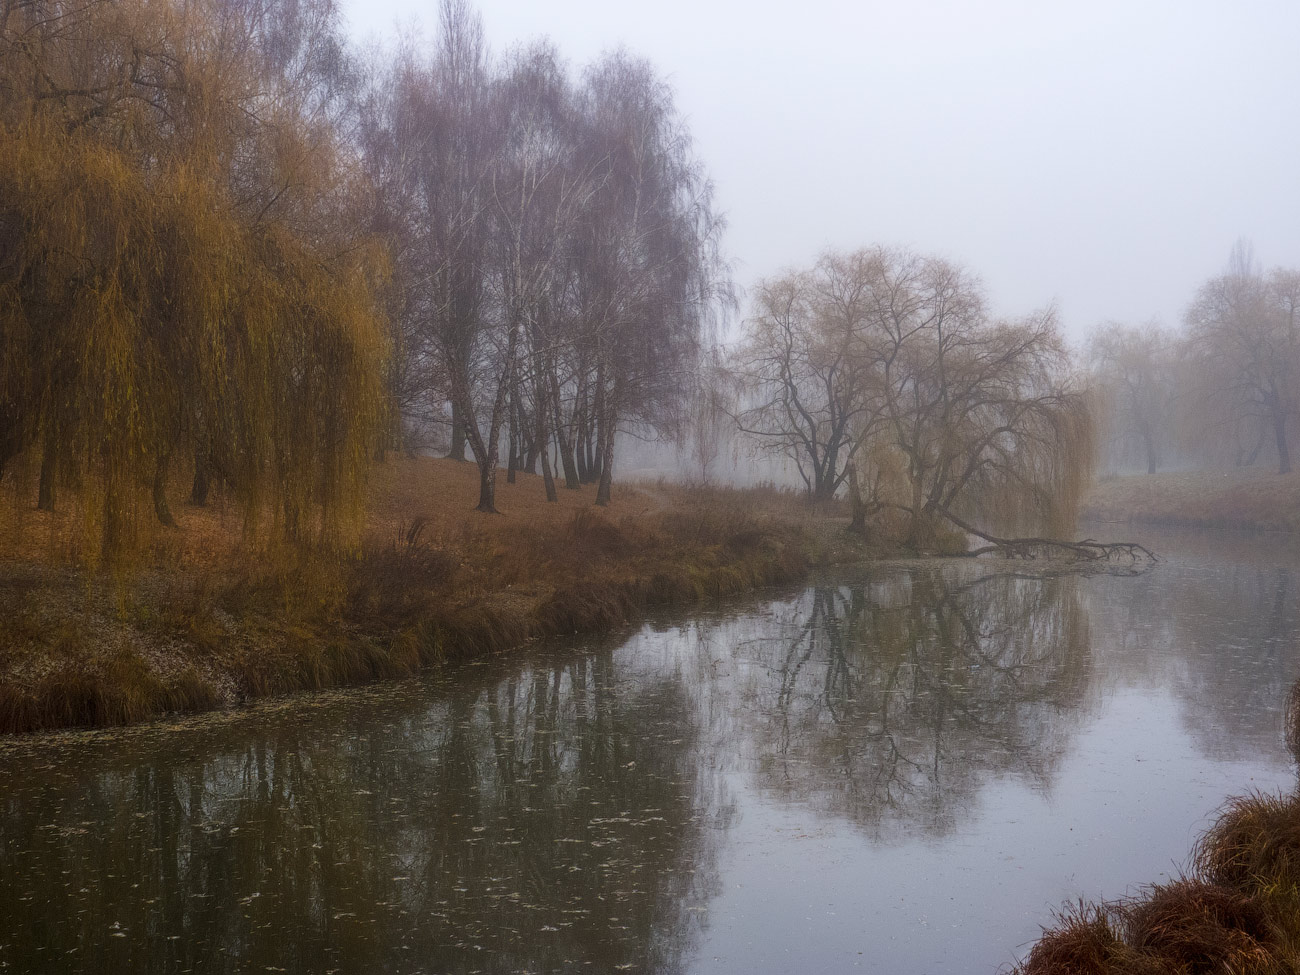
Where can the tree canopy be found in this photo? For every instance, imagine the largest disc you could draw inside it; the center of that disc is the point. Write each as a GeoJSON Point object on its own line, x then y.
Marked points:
{"type": "Point", "coordinates": [179, 276]}
{"type": "Point", "coordinates": [883, 369]}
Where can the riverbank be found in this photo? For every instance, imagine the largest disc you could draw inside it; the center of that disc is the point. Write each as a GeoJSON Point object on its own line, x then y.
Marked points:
{"type": "Point", "coordinates": [1249, 499]}
{"type": "Point", "coordinates": [210, 622]}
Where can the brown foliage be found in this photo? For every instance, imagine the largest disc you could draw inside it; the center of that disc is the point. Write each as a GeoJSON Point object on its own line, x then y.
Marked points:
{"type": "Point", "coordinates": [210, 621]}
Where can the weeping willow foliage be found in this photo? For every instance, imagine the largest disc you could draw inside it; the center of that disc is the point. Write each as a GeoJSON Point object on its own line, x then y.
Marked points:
{"type": "Point", "coordinates": [181, 280]}
{"type": "Point", "coordinates": [141, 317]}
{"type": "Point", "coordinates": [987, 427]}
{"type": "Point", "coordinates": [888, 361]}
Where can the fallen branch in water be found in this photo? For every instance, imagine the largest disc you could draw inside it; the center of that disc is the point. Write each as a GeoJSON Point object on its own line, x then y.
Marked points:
{"type": "Point", "coordinates": [1087, 550]}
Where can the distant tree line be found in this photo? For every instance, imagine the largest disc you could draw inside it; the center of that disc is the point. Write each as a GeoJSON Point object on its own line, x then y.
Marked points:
{"type": "Point", "coordinates": [1222, 392]}
{"type": "Point", "coordinates": [882, 377]}
{"type": "Point", "coordinates": [235, 251]}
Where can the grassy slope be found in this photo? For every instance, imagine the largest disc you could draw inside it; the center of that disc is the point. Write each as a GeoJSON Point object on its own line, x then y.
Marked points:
{"type": "Point", "coordinates": [1252, 498]}
{"type": "Point", "coordinates": [209, 622]}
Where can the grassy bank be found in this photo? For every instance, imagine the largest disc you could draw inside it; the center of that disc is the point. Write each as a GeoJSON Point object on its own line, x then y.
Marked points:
{"type": "Point", "coordinates": [1251, 499]}
{"type": "Point", "coordinates": [1237, 910]}
{"type": "Point", "coordinates": [209, 621]}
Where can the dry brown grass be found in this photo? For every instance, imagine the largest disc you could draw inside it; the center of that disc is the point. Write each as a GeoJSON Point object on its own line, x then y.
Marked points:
{"type": "Point", "coordinates": [1203, 929]}
{"type": "Point", "coordinates": [1254, 847]}
{"type": "Point", "coordinates": [1248, 498]}
{"type": "Point", "coordinates": [209, 619]}
{"type": "Point", "coordinates": [1188, 927]}
{"type": "Point", "coordinates": [1085, 940]}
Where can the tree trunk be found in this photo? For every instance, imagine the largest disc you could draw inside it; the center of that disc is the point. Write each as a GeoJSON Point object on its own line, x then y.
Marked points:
{"type": "Point", "coordinates": [199, 489]}
{"type": "Point", "coordinates": [1151, 453]}
{"type": "Point", "coordinates": [917, 531]}
{"type": "Point", "coordinates": [608, 425]}
{"type": "Point", "coordinates": [49, 462]}
{"type": "Point", "coordinates": [596, 463]}
{"type": "Point", "coordinates": [487, 488]}
{"type": "Point", "coordinates": [485, 454]}
{"type": "Point", "coordinates": [562, 438]}
{"type": "Point", "coordinates": [457, 451]}
{"type": "Point", "coordinates": [606, 472]}
{"type": "Point", "coordinates": [1254, 453]}
{"type": "Point", "coordinates": [859, 522]}
{"type": "Point", "coordinates": [528, 441]}
{"type": "Point", "coordinates": [512, 448]}
{"type": "Point", "coordinates": [160, 508]}
{"type": "Point", "coordinates": [1283, 450]}
{"type": "Point", "coordinates": [542, 437]}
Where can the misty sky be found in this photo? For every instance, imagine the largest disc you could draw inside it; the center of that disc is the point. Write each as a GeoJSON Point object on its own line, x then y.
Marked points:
{"type": "Point", "coordinates": [1104, 155]}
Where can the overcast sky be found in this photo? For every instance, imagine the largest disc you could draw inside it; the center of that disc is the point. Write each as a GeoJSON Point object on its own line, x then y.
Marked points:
{"type": "Point", "coordinates": [1102, 155]}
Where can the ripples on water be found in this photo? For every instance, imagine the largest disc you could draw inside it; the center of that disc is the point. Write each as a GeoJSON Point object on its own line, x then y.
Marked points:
{"type": "Point", "coordinates": [900, 771]}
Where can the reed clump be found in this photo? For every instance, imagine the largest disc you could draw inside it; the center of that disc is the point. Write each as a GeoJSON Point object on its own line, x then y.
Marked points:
{"type": "Point", "coordinates": [1086, 940]}
{"type": "Point", "coordinates": [1200, 928]}
{"type": "Point", "coordinates": [1254, 846]}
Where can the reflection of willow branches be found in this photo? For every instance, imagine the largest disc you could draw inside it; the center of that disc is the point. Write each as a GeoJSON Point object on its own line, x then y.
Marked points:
{"type": "Point", "coordinates": [1219, 630]}
{"type": "Point", "coordinates": [512, 823]}
{"type": "Point", "coordinates": [896, 698]}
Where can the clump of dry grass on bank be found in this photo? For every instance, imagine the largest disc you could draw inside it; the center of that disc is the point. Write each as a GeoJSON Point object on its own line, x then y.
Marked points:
{"type": "Point", "coordinates": [210, 621]}
{"type": "Point", "coordinates": [1247, 498]}
{"type": "Point", "coordinates": [1238, 912]}
{"type": "Point", "coordinates": [1085, 940]}
{"type": "Point", "coordinates": [1197, 927]}
{"type": "Point", "coordinates": [1187, 927]}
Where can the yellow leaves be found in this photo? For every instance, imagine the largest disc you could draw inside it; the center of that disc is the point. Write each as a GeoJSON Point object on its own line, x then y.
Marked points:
{"type": "Point", "coordinates": [161, 320]}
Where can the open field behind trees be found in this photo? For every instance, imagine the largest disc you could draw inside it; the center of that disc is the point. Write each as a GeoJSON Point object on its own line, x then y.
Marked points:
{"type": "Point", "coordinates": [1249, 498]}
{"type": "Point", "coordinates": [209, 619]}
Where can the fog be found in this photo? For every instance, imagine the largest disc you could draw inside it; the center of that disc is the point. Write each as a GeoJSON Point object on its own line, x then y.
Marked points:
{"type": "Point", "coordinates": [1103, 158]}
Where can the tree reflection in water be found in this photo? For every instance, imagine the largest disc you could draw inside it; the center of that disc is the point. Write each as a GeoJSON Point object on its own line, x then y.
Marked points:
{"type": "Point", "coordinates": [1218, 627]}
{"type": "Point", "coordinates": [893, 700]}
{"type": "Point", "coordinates": [547, 820]}
{"type": "Point", "coordinates": [567, 812]}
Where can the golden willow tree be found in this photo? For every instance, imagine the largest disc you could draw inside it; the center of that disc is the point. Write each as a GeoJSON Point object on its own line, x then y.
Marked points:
{"type": "Point", "coordinates": [883, 371]}
{"type": "Point", "coordinates": [178, 283]}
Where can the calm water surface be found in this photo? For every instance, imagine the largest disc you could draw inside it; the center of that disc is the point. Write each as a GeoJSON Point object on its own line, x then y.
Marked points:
{"type": "Point", "coordinates": [893, 771]}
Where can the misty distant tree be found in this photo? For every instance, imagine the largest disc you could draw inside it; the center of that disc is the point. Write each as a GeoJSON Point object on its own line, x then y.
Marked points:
{"type": "Point", "coordinates": [709, 422]}
{"type": "Point", "coordinates": [884, 368]}
{"type": "Point", "coordinates": [647, 258]}
{"type": "Point", "coordinates": [809, 372]}
{"type": "Point", "coordinates": [984, 414]}
{"type": "Point", "coordinates": [1244, 330]}
{"type": "Point", "coordinates": [438, 142]}
{"type": "Point", "coordinates": [1134, 369]}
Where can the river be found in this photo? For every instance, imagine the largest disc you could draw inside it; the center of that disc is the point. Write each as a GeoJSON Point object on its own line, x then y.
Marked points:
{"type": "Point", "coordinates": [896, 770]}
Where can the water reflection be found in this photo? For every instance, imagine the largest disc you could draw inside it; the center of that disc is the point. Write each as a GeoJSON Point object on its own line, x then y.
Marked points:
{"type": "Point", "coordinates": [892, 701]}
{"type": "Point", "coordinates": [1220, 627]}
{"type": "Point", "coordinates": [654, 806]}
{"type": "Point", "coordinates": [528, 823]}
